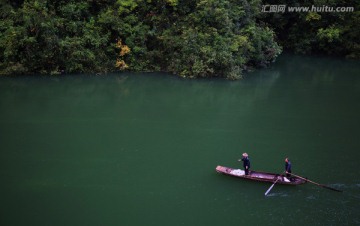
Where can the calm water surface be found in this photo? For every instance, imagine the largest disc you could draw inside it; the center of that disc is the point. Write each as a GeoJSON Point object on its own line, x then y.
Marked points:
{"type": "Point", "coordinates": [141, 149]}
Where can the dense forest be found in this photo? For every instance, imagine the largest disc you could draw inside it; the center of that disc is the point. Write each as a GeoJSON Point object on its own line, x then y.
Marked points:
{"type": "Point", "coordinates": [191, 38]}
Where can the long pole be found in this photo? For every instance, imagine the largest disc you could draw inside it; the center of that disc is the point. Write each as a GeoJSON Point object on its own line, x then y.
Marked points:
{"type": "Point", "coordinates": [321, 185]}
{"type": "Point", "coordinates": [272, 185]}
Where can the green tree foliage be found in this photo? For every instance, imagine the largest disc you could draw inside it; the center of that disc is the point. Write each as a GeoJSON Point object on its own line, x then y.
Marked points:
{"type": "Point", "coordinates": [192, 38]}
{"type": "Point", "coordinates": [39, 36]}
{"type": "Point", "coordinates": [219, 38]}
{"type": "Point", "coordinates": [332, 33]}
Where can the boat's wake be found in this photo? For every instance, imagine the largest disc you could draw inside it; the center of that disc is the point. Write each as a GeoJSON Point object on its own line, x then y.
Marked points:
{"type": "Point", "coordinates": [278, 194]}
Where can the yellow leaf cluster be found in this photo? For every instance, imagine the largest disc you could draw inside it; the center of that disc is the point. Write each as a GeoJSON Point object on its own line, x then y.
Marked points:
{"type": "Point", "coordinates": [119, 44]}
{"type": "Point", "coordinates": [121, 64]}
{"type": "Point", "coordinates": [124, 49]}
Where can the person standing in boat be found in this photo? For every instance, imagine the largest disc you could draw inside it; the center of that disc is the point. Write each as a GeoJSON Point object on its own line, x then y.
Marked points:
{"type": "Point", "coordinates": [246, 162]}
{"type": "Point", "coordinates": [288, 168]}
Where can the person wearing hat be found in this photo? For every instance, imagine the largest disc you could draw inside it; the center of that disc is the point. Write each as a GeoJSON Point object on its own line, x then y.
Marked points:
{"type": "Point", "coordinates": [246, 162]}
{"type": "Point", "coordinates": [288, 168]}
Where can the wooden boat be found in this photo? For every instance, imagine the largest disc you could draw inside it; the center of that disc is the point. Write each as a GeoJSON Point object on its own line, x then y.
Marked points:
{"type": "Point", "coordinates": [260, 176]}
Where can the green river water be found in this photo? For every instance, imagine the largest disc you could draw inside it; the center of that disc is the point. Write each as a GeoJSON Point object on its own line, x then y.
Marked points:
{"type": "Point", "coordinates": [140, 149]}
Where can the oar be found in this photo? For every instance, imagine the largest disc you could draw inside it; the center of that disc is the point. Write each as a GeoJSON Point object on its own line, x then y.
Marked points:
{"type": "Point", "coordinates": [272, 186]}
{"type": "Point", "coordinates": [321, 185]}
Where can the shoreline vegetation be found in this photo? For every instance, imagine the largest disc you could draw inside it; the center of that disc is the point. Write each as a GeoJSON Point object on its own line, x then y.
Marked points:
{"type": "Point", "coordinates": [190, 38]}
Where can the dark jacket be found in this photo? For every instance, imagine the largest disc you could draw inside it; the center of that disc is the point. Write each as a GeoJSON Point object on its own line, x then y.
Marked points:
{"type": "Point", "coordinates": [246, 162]}
{"type": "Point", "coordinates": [288, 166]}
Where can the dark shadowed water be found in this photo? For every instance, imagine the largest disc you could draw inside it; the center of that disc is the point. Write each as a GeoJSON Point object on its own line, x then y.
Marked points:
{"type": "Point", "coordinates": [141, 149]}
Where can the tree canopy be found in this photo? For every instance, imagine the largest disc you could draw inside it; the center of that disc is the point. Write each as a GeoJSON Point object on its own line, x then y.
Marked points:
{"type": "Point", "coordinates": [318, 31]}
{"type": "Point", "coordinates": [191, 38]}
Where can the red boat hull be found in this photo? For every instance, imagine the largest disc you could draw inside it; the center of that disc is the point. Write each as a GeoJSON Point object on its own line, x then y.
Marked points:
{"type": "Point", "coordinates": [259, 176]}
